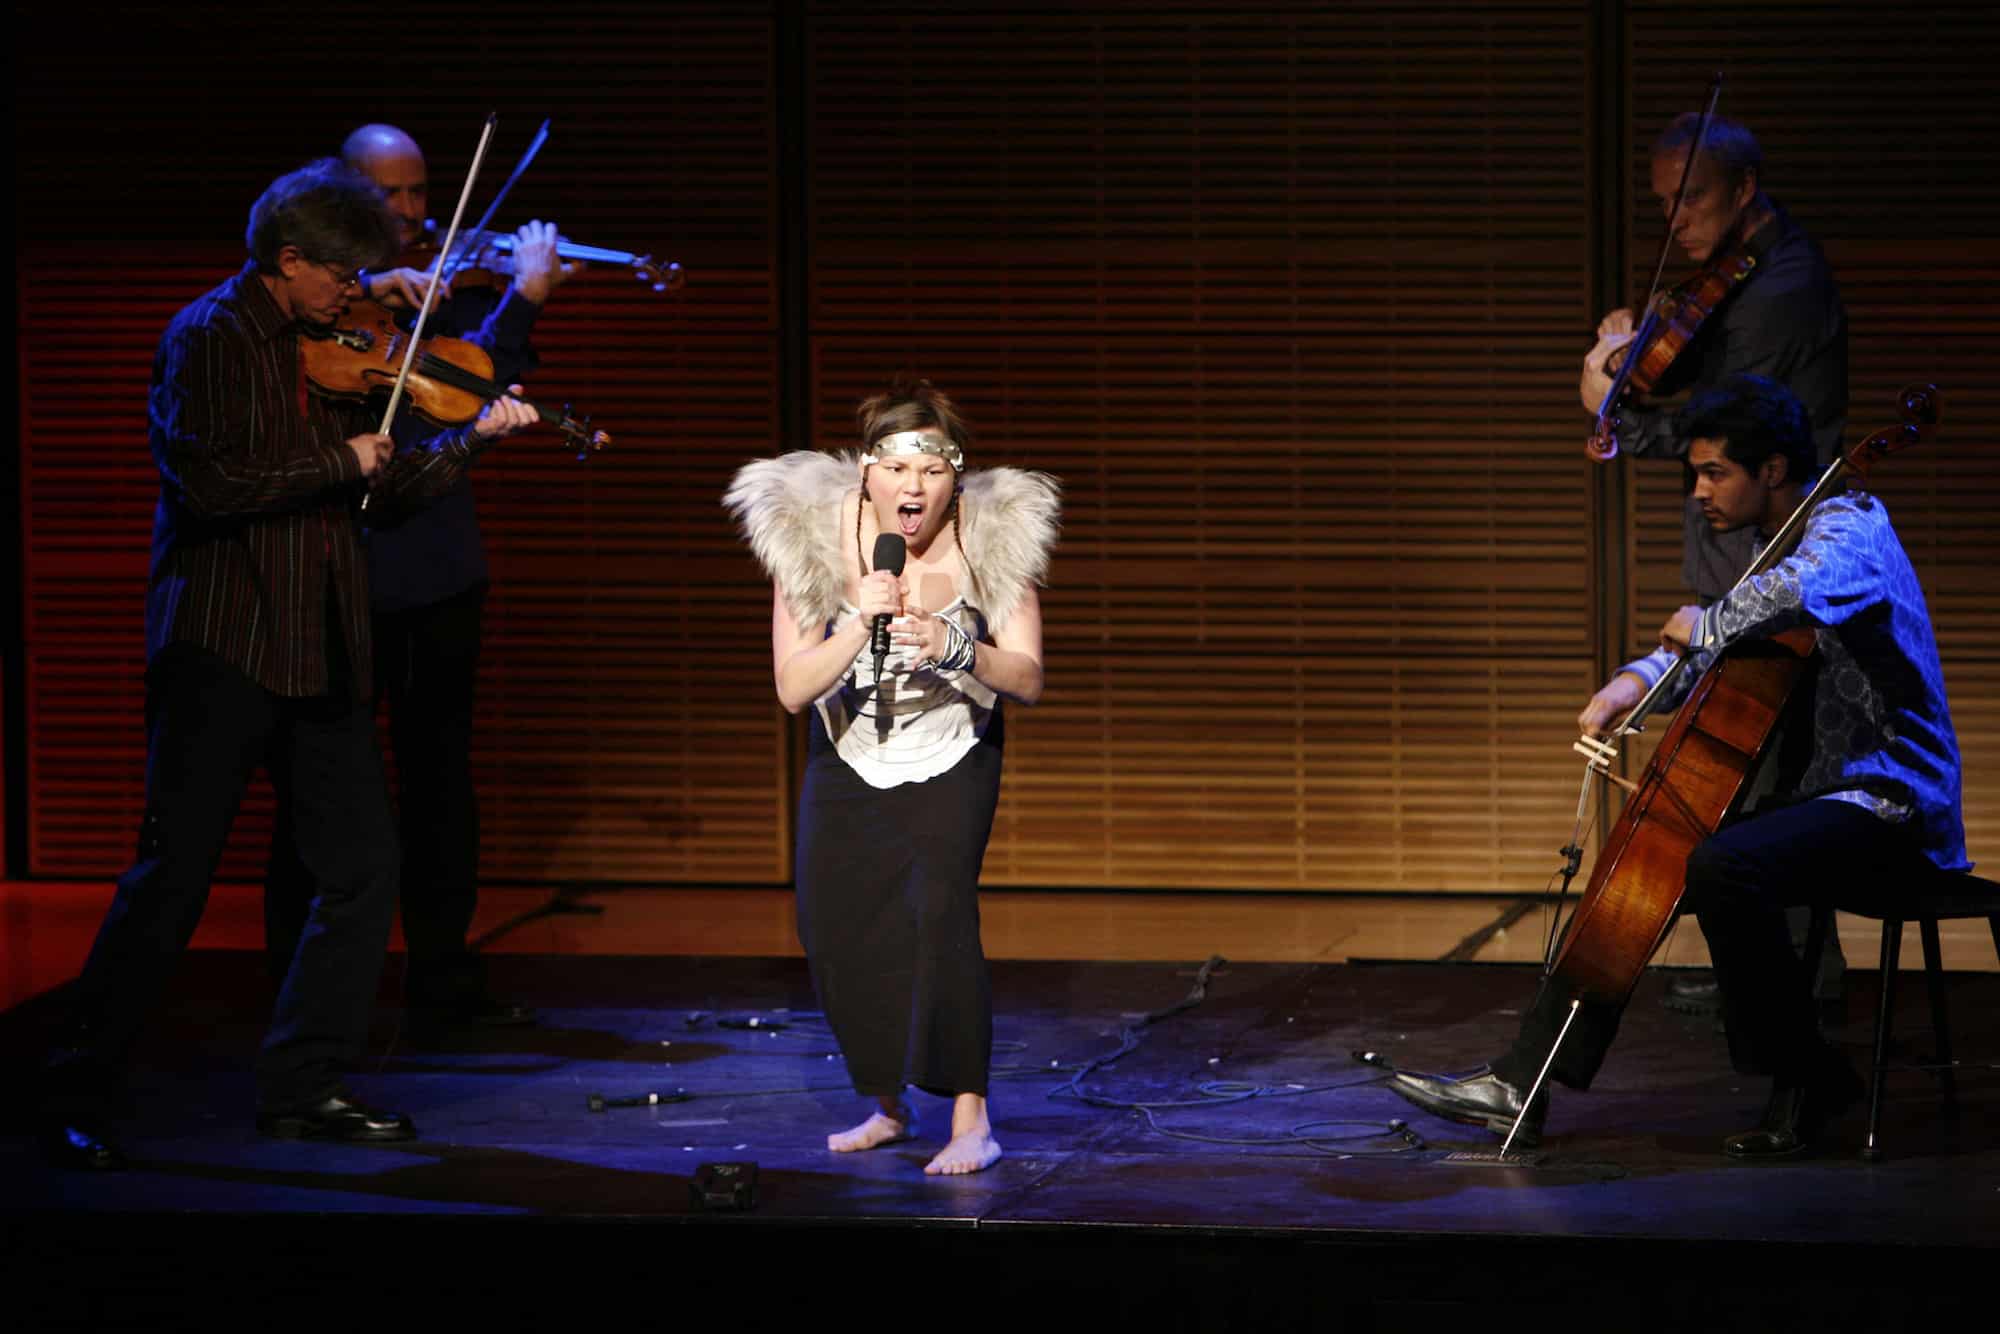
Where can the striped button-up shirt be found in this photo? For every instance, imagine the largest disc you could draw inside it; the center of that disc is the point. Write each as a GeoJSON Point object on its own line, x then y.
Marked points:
{"type": "Point", "coordinates": [260, 497]}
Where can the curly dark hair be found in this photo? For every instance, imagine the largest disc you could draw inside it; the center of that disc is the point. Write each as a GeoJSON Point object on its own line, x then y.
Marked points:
{"type": "Point", "coordinates": [1754, 417]}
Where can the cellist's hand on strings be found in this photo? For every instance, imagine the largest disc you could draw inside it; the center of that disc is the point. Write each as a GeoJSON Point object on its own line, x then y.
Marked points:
{"type": "Point", "coordinates": [1620, 695]}
{"type": "Point", "coordinates": [1679, 631]}
{"type": "Point", "coordinates": [402, 289]}
{"type": "Point", "coordinates": [1614, 331]}
{"type": "Point", "coordinates": [538, 269]}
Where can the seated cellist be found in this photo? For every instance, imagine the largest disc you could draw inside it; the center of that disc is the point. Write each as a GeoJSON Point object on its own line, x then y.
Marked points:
{"type": "Point", "coordinates": [1872, 801]}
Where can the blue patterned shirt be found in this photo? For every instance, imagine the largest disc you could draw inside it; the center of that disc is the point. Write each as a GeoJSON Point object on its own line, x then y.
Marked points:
{"type": "Point", "coordinates": [1882, 733]}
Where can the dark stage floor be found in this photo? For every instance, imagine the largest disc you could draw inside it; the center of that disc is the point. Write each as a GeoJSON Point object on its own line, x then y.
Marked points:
{"type": "Point", "coordinates": [1094, 1208]}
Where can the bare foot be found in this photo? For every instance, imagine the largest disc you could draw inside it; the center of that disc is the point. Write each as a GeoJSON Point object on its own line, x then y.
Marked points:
{"type": "Point", "coordinates": [974, 1151]}
{"type": "Point", "coordinates": [881, 1128]}
{"type": "Point", "coordinates": [972, 1147]}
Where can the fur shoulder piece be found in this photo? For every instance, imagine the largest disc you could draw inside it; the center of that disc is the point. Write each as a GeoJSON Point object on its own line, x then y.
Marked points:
{"type": "Point", "coordinates": [789, 510]}
{"type": "Point", "coordinates": [1011, 517]}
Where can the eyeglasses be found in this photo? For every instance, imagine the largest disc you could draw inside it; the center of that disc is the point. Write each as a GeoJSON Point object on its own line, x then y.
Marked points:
{"type": "Point", "coordinates": [343, 279]}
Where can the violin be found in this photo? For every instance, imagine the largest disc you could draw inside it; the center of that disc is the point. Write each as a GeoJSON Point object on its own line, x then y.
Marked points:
{"type": "Point", "coordinates": [1672, 317]}
{"type": "Point", "coordinates": [486, 258]}
{"type": "Point", "coordinates": [1672, 320]}
{"type": "Point", "coordinates": [450, 381]}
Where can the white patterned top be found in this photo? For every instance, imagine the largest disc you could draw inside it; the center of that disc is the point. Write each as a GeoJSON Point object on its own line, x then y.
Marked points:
{"type": "Point", "coordinates": [920, 723]}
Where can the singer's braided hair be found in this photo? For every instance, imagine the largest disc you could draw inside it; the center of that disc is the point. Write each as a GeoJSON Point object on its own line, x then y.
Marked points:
{"type": "Point", "coordinates": [911, 406]}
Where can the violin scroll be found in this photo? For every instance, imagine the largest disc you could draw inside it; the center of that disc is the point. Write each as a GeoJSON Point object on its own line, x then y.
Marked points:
{"type": "Point", "coordinates": [666, 277]}
{"type": "Point", "coordinates": [582, 437]}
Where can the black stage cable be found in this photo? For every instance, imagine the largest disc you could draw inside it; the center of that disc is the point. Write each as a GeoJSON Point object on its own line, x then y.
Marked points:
{"type": "Point", "coordinates": [565, 901]}
{"type": "Point", "coordinates": [1468, 948]}
{"type": "Point", "coordinates": [1223, 1093]}
{"type": "Point", "coordinates": [812, 1025]}
{"type": "Point", "coordinates": [1316, 1135]}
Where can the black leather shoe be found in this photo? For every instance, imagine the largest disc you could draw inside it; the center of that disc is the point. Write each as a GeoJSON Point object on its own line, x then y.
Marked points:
{"type": "Point", "coordinates": [1693, 991]}
{"type": "Point", "coordinates": [78, 1147]}
{"type": "Point", "coordinates": [1798, 1112]}
{"type": "Point", "coordinates": [336, 1117]}
{"type": "Point", "coordinates": [1484, 1100]}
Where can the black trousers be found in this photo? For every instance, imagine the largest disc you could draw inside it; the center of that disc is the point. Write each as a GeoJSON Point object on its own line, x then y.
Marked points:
{"type": "Point", "coordinates": [888, 913]}
{"type": "Point", "coordinates": [427, 667]}
{"type": "Point", "coordinates": [1739, 884]}
{"type": "Point", "coordinates": [208, 729]}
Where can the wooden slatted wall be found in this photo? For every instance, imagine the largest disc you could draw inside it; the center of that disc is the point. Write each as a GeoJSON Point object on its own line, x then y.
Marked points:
{"type": "Point", "coordinates": [1286, 298]}
{"type": "Point", "coordinates": [1292, 298]}
{"type": "Point", "coordinates": [1878, 128]}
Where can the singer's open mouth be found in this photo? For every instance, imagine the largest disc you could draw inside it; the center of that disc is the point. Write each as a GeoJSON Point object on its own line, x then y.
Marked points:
{"type": "Point", "coordinates": [910, 518]}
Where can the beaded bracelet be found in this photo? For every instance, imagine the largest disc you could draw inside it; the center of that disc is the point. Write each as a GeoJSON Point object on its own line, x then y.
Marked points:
{"type": "Point", "coordinates": [960, 652]}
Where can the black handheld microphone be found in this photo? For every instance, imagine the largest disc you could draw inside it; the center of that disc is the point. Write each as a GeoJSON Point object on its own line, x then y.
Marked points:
{"type": "Point", "coordinates": [890, 553]}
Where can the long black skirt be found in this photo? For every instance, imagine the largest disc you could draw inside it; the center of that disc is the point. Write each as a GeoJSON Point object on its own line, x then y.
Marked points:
{"type": "Point", "coordinates": [888, 913]}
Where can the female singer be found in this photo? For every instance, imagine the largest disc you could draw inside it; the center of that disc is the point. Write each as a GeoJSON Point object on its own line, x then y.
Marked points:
{"type": "Point", "coordinates": [903, 771]}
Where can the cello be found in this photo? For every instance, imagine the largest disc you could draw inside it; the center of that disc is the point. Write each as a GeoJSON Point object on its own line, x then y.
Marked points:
{"type": "Point", "coordinates": [1697, 774]}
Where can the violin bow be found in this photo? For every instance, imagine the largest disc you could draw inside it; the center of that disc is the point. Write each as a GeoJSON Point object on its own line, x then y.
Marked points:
{"type": "Point", "coordinates": [430, 292]}
{"type": "Point", "coordinates": [478, 229]}
{"type": "Point", "coordinates": [1687, 172]}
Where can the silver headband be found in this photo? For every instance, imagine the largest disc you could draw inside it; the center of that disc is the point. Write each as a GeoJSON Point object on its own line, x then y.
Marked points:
{"type": "Point", "coordinates": [917, 442]}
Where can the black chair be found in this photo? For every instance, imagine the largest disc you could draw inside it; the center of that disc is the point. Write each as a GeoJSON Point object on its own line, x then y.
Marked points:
{"type": "Point", "coordinates": [1946, 895]}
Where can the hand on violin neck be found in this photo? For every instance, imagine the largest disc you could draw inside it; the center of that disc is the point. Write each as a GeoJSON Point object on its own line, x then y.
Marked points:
{"type": "Point", "coordinates": [505, 416]}
{"type": "Point", "coordinates": [1617, 321]}
{"type": "Point", "coordinates": [402, 289]}
{"type": "Point", "coordinates": [371, 451]}
{"type": "Point", "coordinates": [1600, 368]}
{"type": "Point", "coordinates": [538, 269]}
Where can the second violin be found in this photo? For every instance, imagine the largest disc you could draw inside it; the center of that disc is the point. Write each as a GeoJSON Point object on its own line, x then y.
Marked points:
{"type": "Point", "coordinates": [489, 257]}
